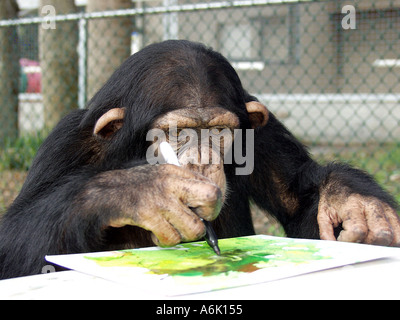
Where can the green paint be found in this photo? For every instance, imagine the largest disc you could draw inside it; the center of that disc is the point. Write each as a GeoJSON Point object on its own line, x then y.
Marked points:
{"type": "Point", "coordinates": [239, 255]}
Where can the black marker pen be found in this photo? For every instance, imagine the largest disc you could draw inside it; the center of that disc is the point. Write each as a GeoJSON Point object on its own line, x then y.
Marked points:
{"type": "Point", "coordinates": [170, 157]}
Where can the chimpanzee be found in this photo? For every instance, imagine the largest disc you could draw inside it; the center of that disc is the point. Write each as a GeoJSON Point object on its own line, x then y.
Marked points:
{"type": "Point", "coordinates": [91, 188]}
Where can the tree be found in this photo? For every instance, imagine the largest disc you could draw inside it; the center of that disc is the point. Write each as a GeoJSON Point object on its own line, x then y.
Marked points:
{"type": "Point", "coordinates": [58, 43]}
{"type": "Point", "coordinates": [108, 42]}
{"type": "Point", "coordinates": [9, 73]}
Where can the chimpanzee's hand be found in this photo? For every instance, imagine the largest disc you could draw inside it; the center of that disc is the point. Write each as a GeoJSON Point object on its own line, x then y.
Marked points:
{"type": "Point", "coordinates": [363, 219]}
{"type": "Point", "coordinates": [166, 200]}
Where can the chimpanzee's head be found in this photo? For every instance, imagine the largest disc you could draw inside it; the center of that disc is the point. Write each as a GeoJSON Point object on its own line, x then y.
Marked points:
{"type": "Point", "coordinates": [181, 89]}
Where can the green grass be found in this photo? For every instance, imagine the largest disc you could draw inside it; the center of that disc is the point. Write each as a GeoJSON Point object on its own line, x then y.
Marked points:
{"type": "Point", "coordinates": [385, 166]}
{"type": "Point", "coordinates": [16, 157]}
{"type": "Point", "coordinates": [18, 154]}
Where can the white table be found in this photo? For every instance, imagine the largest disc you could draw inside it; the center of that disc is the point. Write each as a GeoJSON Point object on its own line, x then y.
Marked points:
{"type": "Point", "coordinates": [378, 279]}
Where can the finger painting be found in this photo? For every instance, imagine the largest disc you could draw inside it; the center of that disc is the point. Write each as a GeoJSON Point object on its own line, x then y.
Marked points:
{"type": "Point", "coordinates": [194, 267]}
{"type": "Point", "coordinates": [239, 255]}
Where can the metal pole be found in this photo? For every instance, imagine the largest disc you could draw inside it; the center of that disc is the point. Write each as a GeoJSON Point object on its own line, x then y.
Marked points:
{"type": "Point", "coordinates": [82, 53]}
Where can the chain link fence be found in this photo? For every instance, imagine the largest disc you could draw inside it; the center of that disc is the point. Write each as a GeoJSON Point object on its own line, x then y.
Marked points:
{"type": "Point", "coordinates": [329, 70]}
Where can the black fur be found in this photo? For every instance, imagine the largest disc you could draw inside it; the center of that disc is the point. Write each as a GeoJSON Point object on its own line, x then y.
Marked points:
{"type": "Point", "coordinates": [48, 218]}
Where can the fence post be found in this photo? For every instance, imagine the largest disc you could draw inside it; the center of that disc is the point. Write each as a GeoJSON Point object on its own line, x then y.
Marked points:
{"type": "Point", "coordinates": [9, 74]}
{"type": "Point", "coordinates": [59, 64]}
{"type": "Point", "coordinates": [82, 53]}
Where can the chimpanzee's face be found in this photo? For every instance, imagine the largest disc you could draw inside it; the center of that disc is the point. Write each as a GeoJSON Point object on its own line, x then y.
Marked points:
{"type": "Point", "coordinates": [201, 137]}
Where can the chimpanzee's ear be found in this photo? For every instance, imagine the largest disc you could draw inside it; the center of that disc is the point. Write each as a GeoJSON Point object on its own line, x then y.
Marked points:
{"type": "Point", "coordinates": [109, 123]}
{"type": "Point", "coordinates": [258, 114]}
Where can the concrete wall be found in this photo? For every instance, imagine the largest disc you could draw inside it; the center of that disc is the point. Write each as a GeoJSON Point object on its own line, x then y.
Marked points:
{"type": "Point", "coordinates": [338, 118]}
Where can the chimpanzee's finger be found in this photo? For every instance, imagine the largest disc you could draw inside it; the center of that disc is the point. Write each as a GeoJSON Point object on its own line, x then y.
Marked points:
{"type": "Point", "coordinates": [379, 229]}
{"type": "Point", "coordinates": [165, 235]}
{"type": "Point", "coordinates": [327, 221]}
{"type": "Point", "coordinates": [186, 222]}
{"type": "Point", "coordinates": [354, 224]}
{"type": "Point", "coordinates": [208, 205]}
{"type": "Point", "coordinates": [173, 172]}
{"type": "Point", "coordinates": [394, 221]}
{"type": "Point", "coordinates": [326, 231]}
{"type": "Point", "coordinates": [205, 199]}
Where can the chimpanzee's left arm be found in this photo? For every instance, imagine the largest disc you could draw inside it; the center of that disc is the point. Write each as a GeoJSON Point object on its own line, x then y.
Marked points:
{"type": "Point", "coordinates": [329, 202]}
